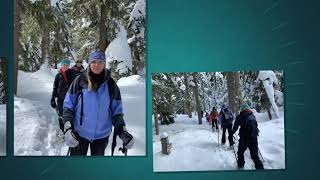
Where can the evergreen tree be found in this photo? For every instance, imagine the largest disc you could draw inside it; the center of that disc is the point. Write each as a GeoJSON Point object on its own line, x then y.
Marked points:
{"type": "Point", "coordinates": [3, 80]}
{"type": "Point", "coordinates": [137, 34]}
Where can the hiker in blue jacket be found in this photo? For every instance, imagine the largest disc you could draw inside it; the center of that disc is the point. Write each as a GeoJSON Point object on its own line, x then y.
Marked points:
{"type": "Point", "coordinates": [226, 118]}
{"type": "Point", "coordinates": [91, 106]}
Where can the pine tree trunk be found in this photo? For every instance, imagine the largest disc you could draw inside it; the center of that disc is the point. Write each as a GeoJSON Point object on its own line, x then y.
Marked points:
{"type": "Point", "coordinates": [103, 42]}
{"type": "Point", "coordinates": [196, 96]}
{"type": "Point", "coordinates": [203, 99]}
{"type": "Point", "coordinates": [156, 122]}
{"type": "Point", "coordinates": [45, 41]}
{"type": "Point", "coordinates": [233, 83]}
{"type": "Point", "coordinates": [55, 63]}
{"type": "Point", "coordinates": [45, 46]}
{"type": "Point", "coordinates": [269, 113]}
{"type": "Point", "coordinates": [17, 46]}
{"type": "Point", "coordinates": [187, 101]}
{"type": "Point", "coordinates": [135, 59]}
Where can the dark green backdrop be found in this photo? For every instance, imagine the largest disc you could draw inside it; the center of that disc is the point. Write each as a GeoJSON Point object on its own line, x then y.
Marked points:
{"type": "Point", "coordinates": [206, 35]}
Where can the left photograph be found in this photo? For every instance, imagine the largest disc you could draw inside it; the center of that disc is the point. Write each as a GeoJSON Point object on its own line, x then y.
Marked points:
{"type": "Point", "coordinates": [80, 78]}
{"type": "Point", "coordinates": [3, 106]}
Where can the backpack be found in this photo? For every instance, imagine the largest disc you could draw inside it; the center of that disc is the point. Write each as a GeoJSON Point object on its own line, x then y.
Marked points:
{"type": "Point", "coordinates": [251, 126]}
{"type": "Point", "coordinates": [227, 120]}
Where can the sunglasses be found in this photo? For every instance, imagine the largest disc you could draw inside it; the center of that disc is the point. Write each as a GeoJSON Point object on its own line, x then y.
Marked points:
{"type": "Point", "coordinates": [79, 62]}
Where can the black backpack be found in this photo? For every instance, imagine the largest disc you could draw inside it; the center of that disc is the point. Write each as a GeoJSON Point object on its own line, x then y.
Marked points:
{"type": "Point", "coordinates": [226, 119]}
{"type": "Point", "coordinates": [250, 125]}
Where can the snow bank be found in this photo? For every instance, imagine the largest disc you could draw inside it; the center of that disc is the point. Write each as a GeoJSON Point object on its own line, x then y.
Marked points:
{"type": "Point", "coordinates": [279, 97]}
{"type": "Point", "coordinates": [3, 137]}
{"type": "Point", "coordinates": [131, 81]}
{"type": "Point", "coordinates": [119, 50]}
{"type": "Point", "coordinates": [36, 123]}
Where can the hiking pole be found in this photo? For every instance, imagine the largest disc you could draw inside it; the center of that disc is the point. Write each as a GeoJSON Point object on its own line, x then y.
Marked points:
{"type": "Point", "coordinates": [260, 154]}
{"type": "Point", "coordinates": [68, 153]}
{"type": "Point", "coordinates": [114, 143]}
{"type": "Point", "coordinates": [123, 150]}
{"type": "Point", "coordinates": [218, 137]}
{"type": "Point", "coordinates": [234, 152]}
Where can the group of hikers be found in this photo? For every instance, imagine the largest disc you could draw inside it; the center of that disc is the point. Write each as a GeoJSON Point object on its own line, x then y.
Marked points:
{"type": "Point", "coordinates": [248, 131]}
{"type": "Point", "coordinates": [88, 103]}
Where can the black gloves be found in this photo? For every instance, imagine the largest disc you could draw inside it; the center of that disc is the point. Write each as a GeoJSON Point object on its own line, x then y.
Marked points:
{"type": "Point", "coordinates": [53, 103]}
{"type": "Point", "coordinates": [126, 137]}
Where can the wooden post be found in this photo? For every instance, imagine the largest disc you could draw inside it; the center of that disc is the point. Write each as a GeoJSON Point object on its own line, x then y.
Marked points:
{"type": "Point", "coordinates": [166, 145]}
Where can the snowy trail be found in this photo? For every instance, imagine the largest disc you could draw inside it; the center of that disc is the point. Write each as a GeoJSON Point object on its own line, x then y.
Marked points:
{"type": "Point", "coordinates": [36, 123]}
{"type": "Point", "coordinates": [195, 147]}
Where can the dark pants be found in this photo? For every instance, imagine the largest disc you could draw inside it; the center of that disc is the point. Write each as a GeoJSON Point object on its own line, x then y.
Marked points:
{"type": "Point", "coordinates": [97, 147]}
{"type": "Point", "coordinates": [230, 138]}
{"type": "Point", "coordinates": [252, 144]}
{"type": "Point", "coordinates": [60, 113]}
{"type": "Point", "coordinates": [215, 124]}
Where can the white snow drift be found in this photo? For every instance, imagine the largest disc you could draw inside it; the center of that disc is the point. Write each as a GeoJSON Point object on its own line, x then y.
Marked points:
{"type": "Point", "coordinates": [3, 128]}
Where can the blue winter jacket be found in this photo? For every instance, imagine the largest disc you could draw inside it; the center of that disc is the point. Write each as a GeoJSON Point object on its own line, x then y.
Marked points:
{"type": "Point", "coordinates": [225, 121]}
{"type": "Point", "coordinates": [100, 110]}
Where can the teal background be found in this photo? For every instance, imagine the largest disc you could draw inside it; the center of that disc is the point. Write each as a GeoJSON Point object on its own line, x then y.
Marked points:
{"type": "Point", "coordinates": [206, 35]}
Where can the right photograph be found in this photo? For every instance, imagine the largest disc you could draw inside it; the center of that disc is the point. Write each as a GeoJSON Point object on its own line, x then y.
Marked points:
{"type": "Point", "coordinates": [206, 121]}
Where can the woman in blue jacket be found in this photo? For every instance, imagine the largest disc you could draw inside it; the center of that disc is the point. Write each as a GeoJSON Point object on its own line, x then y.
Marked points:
{"type": "Point", "coordinates": [91, 106]}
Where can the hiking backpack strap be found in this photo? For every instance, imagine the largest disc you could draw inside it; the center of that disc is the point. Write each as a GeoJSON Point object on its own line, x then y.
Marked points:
{"type": "Point", "coordinates": [110, 84]}
{"type": "Point", "coordinates": [79, 95]}
{"type": "Point", "coordinates": [81, 112]}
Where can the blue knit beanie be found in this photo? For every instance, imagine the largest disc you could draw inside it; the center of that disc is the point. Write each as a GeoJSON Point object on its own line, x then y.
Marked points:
{"type": "Point", "coordinates": [97, 55]}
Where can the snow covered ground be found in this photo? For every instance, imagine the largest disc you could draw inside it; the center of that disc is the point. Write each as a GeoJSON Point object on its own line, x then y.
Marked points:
{"type": "Point", "coordinates": [3, 118]}
{"type": "Point", "coordinates": [36, 123]}
{"type": "Point", "coordinates": [195, 147]}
